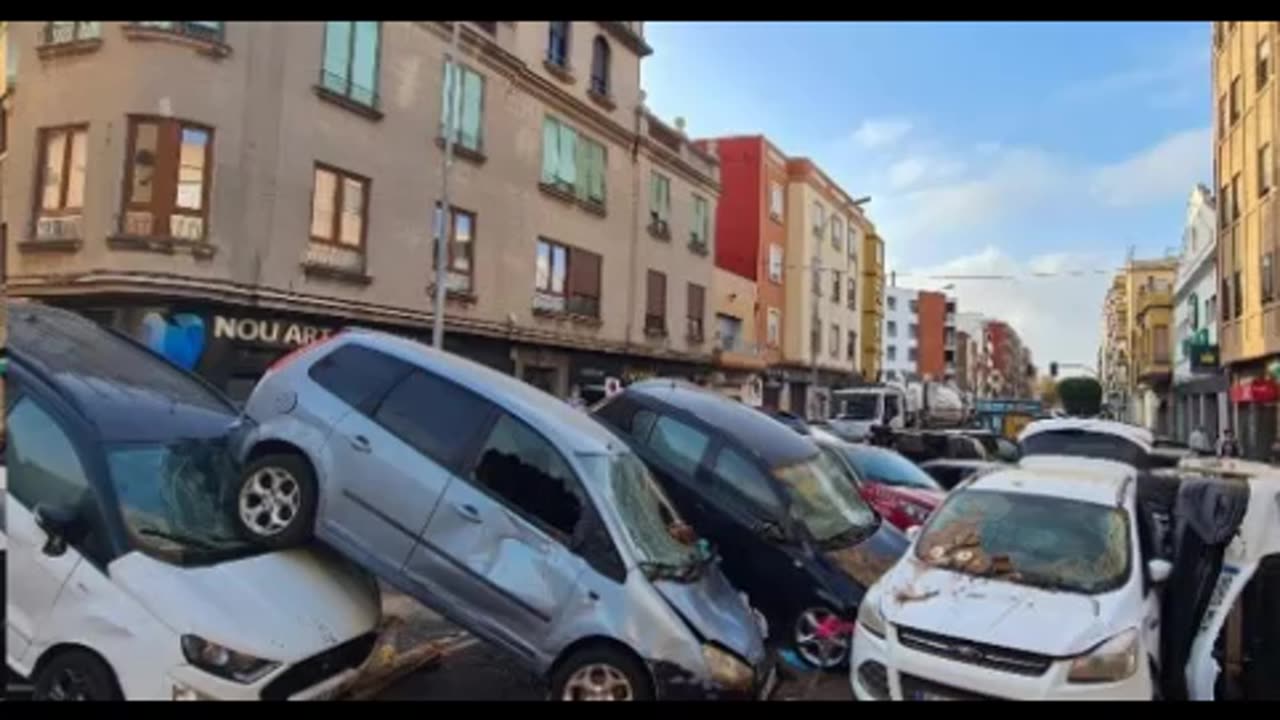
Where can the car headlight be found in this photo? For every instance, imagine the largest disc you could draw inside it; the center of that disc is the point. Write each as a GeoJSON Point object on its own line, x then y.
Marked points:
{"type": "Point", "coordinates": [870, 617]}
{"type": "Point", "coordinates": [726, 669]}
{"type": "Point", "coordinates": [225, 662]}
{"type": "Point", "coordinates": [1112, 660]}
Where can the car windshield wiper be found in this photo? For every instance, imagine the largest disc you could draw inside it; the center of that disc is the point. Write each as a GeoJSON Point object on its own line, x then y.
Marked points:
{"type": "Point", "coordinates": [196, 542]}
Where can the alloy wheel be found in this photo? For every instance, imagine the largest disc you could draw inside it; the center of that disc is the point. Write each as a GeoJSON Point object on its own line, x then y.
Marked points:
{"type": "Point", "coordinates": [69, 685]}
{"type": "Point", "coordinates": [269, 501]}
{"type": "Point", "coordinates": [821, 652]}
{"type": "Point", "coordinates": [598, 682]}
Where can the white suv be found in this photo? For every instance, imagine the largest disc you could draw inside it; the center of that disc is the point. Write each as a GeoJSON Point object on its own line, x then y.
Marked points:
{"type": "Point", "coordinates": [1025, 584]}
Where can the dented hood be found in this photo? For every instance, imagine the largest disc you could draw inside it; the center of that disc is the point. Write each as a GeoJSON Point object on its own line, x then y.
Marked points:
{"type": "Point", "coordinates": [282, 606]}
{"type": "Point", "coordinates": [717, 613]}
{"type": "Point", "coordinates": [997, 612]}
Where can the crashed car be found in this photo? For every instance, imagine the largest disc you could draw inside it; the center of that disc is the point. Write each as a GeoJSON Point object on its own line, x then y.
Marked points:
{"type": "Point", "coordinates": [897, 488]}
{"type": "Point", "coordinates": [126, 578]}
{"type": "Point", "coordinates": [1091, 581]}
{"type": "Point", "coordinates": [504, 509]}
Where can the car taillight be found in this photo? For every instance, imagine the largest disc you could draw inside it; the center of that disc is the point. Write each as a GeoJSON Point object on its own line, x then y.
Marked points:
{"type": "Point", "coordinates": [292, 355]}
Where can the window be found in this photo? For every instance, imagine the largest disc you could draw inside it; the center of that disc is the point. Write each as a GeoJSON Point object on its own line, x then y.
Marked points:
{"type": "Point", "coordinates": [600, 66]}
{"type": "Point", "coordinates": [915, 307]}
{"type": "Point", "coordinates": [815, 337]}
{"type": "Point", "coordinates": [204, 30]}
{"type": "Point", "coordinates": [1222, 115]}
{"type": "Point", "coordinates": [655, 305]}
{"type": "Point", "coordinates": [41, 460]}
{"type": "Point", "coordinates": [891, 329]}
{"type": "Point", "coordinates": [358, 375]}
{"type": "Point", "coordinates": [729, 331]}
{"type": "Point", "coordinates": [530, 476]}
{"type": "Point", "coordinates": [912, 354]}
{"type": "Point", "coordinates": [678, 444]}
{"type": "Point", "coordinates": [701, 230]}
{"type": "Point", "coordinates": [1224, 217]}
{"type": "Point", "coordinates": [1160, 343]}
{"type": "Point", "coordinates": [852, 346]}
{"type": "Point", "coordinates": [819, 221]}
{"type": "Point", "coordinates": [659, 201]}
{"type": "Point", "coordinates": [1235, 197]}
{"type": "Point", "coordinates": [1236, 291]}
{"type": "Point", "coordinates": [696, 309]}
{"type": "Point", "coordinates": [741, 477]}
{"type": "Point", "coordinates": [851, 295]}
{"type": "Point", "coordinates": [915, 331]}
{"type": "Point", "coordinates": [572, 162]}
{"type": "Point", "coordinates": [56, 33]}
{"type": "Point", "coordinates": [1264, 62]}
{"type": "Point", "coordinates": [468, 106]}
{"type": "Point", "coordinates": [775, 200]}
{"type": "Point", "coordinates": [1235, 99]}
{"type": "Point", "coordinates": [891, 302]}
{"type": "Point", "coordinates": [816, 264]}
{"type": "Point", "coordinates": [168, 169]}
{"type": "Point", "coordinates": [461, 250]}
{"type": "Point", "coordinates": [837, 233]}
{"type": "Point", "coordinates": [558, 43]}
{"type": "Point", "coordinates": [4, 129]}
{"type": "Point", "coordinates": [415, 411]}
{"type": "Point", "coordinates": [1266, 170]}
{"type": "Point", "coordinates": [339, 204]}
{"type": "Point", "coordinates": [891, 353]}
{"type": "Point", "coordinates": [835, 286]}
{"type": "Point", "coordinates": [775, 262]}
{"type": "Point", "coordinates": [567, 279]}
{"type": "Point", "coordinates": [834, 345]}
{"type": "Point", "coordinates": [1268, 277]}
{"type": "Point", "coordinates": [63, 153]}
{"type": "Point", "coordinates": [774, 326]}
{"type": "Point", "coordinates": [1226, 293]}
{"type": "Point", "coordinates": [351, 60]}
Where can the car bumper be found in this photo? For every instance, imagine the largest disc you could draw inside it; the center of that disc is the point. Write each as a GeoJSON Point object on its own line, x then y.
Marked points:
{"type": "Point", "coordinates": [881, 669]}
{"type": "Point", "coordinates": [188, 683]}
{"type": "Point", "coordinates": [675, 683]}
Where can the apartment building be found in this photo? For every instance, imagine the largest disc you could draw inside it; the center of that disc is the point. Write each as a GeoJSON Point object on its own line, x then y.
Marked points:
{"type": "Point", "coordinates": [872, 301]}
{"type": "Point", "coordinates": [1246, 135]}
{"type": "Point", "coordinates": [901, 333]}
{"type": "Point", "coordinates": [1114, 351]}
{"type": "Point", "coordinates": [971, 357]}
{"type": "Point", "coordinates": [226, 191]}
{"type": "Point", "coordinates": [1199, 385]}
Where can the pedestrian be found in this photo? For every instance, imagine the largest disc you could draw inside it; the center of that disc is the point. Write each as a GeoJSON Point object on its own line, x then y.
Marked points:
{"type": "Point", "coordinates": [1199, 441]}
{"type": "Point", "coordinates": [1227, 445]}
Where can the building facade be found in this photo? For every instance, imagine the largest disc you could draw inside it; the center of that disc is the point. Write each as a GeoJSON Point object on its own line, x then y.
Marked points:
{"type": "Point", "coordinates": [872, 304]}
{"type": "Point", "coordinates": [248, 185]}
{"type": "Point", "coordinates": [1246, 137]}
{"type": "Point", "coordinates": [901, 333]}
{"type": "Point", "coordinates": [1113, 351]}
{"type": "Point", "coordinates": [1199, 385]}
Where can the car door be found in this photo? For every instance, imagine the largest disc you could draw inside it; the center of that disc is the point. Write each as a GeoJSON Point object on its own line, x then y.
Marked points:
{"type": "Point", "coordinates": [391, 466]}
{"type": "Point", "coordinates": [43, 467]}
{"type": "Point", "coordinates": [675, 451]}
{"type": "Point", "coordinates": [500, 544]}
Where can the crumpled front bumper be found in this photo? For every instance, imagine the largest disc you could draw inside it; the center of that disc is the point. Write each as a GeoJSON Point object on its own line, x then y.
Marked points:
{"type": "Point", "coordinates": [673, 682]}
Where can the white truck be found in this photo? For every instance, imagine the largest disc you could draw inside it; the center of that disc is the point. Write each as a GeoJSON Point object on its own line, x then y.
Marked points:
{"type": "Point", "coordinates": [854, 411]}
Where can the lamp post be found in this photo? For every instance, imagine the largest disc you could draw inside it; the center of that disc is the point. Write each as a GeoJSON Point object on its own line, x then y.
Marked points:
{"type": "Point", "coordinates": [446, 215]}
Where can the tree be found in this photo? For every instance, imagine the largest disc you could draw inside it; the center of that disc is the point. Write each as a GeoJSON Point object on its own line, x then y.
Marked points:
{"type": "Point", "coordinates": [1048, 392]}
{"type": "Point", "coordinates": [1080, 396]}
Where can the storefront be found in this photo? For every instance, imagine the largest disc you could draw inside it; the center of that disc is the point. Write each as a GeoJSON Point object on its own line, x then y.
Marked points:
{"type": "Point", "coordinates": [1254, 398]}
{"type": "Point", "coordinates": [1200, 399]}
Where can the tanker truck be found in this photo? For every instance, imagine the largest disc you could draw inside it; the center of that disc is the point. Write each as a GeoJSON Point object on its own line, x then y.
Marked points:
{"type": "Point", "coordinates": [895, 406]}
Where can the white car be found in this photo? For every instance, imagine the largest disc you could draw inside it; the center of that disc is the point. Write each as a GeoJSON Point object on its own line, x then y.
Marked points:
{"type": "Point", "coordinates": [124, 578]}
{"type": "Point", "coordinates": [1025, 584]}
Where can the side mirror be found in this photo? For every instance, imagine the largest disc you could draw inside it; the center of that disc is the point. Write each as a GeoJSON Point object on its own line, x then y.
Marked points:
{"type": "Point", "coordinates": [913, 532]}
{"type": "Point", "coordinates": [61, 524]}
{"type": "Point", "coordinates": [1159, 570]}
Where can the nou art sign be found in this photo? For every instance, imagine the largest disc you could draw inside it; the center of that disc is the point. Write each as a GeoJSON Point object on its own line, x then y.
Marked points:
{"type": "Point", "coordinates": [266, 331]}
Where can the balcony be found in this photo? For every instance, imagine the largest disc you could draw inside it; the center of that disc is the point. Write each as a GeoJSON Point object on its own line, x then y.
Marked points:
{"type": "Point", "coordinates": [732, 352]}
{"type": "Point", "coordinates": [1156, 294]}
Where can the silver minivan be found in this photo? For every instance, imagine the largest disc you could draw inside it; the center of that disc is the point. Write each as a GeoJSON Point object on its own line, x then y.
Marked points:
{"type": "Point", "coordinates": [504, 509]}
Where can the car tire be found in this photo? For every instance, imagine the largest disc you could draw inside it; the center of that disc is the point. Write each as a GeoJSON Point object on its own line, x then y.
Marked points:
{"type": "Point", "coordinates": [601, 673]}
{"type": "Point", "coordinates": [75, 675]}
{"type": "Point", "coordinates": [275, 502]}
{"type": "Point", "coordinates": [812, 652]}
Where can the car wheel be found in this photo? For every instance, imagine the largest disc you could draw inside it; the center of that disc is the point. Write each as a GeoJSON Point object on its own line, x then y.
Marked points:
{"type": "Point", "coordinates": [601, 673]}
{"type": "Point", "coordinates": [75, 675]}
{"type": "Point", "coordinates": [276, 503]}
{"type": "Point", "coordinates": [824, 653]}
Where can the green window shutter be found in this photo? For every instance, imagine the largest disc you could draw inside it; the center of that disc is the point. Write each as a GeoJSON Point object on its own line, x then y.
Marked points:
{"type": "Point", "coordinates": [655, 205]}
{"type": "Point", "coordinates": [582, 161]}
{"type": "Point", "coordinates": [596, 190]}
{"type": "Point", "coordinates": [550, 150]}
{"type": "Point", "coordinates": [472, 108]}
{"type": "Point", "coordinates": [364, 63]}
{"type": "Point", "coordinates": [664, 199]}
{"type": "Point", "coordinates": [450, 77]}
{"type": "Point", "coordinates": [568, 164]}
{"type": "Point", "coordinates": [337, 56]}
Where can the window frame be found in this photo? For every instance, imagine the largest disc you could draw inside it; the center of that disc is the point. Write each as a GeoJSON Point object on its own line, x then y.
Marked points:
{"type": "Point", "coordinates": [660, 418]}
{"type": "Point", "coordinates": [1234, 93]}
{"type": "Point", "coordinates": [720, 485]}
{"type": "Point", "coordinates": [700, 236]}
{"type": "Point", "coordinates": [374, 92]}
{"type": "Point", "coordinates": [1266, 169]}
{"type": "Point", "coordinates": [450, 268]}
{"type": "Point", "coordinates": [891, 328]}
{"type": "Point", "coordinates": [341, 175]}
{"type": "Point", "coordinates": [463, 453]}
{"type": "Point", "coordinates": [775, 277]}
{"type": "Point", "coordinates": [461, 72]}
{"type": "Point", "coordinates": [1267, 277]}
{"type": "Point", "coordinates": [837, 232]}
{"type": "Point", "coordinates": [655, 322]}
{"type": "Point", "coordinates": [695, 323]}
{"type": "Point", "coordinates": [43, 136]}
{"type": "Point", "coordinates": [566, 36]}
{"type": "Point", "coordinates": [550, 288]}
{"type": "Point", "coordinates": [775, 190]}
{"type": "Point", "coordinates": [834, 345]}
{"type": "Point", "coordinates": [600, 81]}
{"type": "Point", "coordinates": [162, 212]}
{"type": "Point", "coordinates": [1263, 66]}
{"type": "Point", "coordinates": [836, 287]}
{"type": "Point", "coordinates": [773, 328]}
{"type": "Point", "coordinates": [851, 291]}
{"type": "Point", "coordinates": [659, 212]}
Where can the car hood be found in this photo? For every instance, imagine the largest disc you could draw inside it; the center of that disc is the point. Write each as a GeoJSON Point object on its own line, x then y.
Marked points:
{"type": "Point", "coordinates": [927, 498]}
{"type": "Point", "coordinates": [996, 612]}
{"type": "Point", "coordinates": [871, 558]}
{"type": "Point", "coordinates": [283, 606]}
{"type": "Point", "coordinates": [717, 613]}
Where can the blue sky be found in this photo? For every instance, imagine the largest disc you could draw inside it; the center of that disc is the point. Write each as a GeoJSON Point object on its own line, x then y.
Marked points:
{"type": "Point", "coordinates": [988, 148]}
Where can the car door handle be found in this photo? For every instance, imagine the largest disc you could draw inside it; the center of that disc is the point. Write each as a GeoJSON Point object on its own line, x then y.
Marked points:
{"type": "Point", "coordinates": [467, 511]}
{"type": "Point", "coordinates": [360, 443]}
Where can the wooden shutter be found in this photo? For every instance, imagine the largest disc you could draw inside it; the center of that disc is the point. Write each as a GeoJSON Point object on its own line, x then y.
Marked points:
{"type": "Point", "coordinates": [656, 294]}
{"type": "Point", "coordinates": [697, 296]}
{"type": "Point", "coordinates": [584, 273]}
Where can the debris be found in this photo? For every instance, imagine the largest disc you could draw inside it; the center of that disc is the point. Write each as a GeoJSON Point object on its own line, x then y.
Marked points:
{"type": "Point", "coordinates": [907, 595]}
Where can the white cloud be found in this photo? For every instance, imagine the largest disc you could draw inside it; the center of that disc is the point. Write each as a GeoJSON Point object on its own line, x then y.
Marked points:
{"type": "Point", "coordinates": [915, 170]}
{"type": "Point", "coordinates": [1165, 170]}
{"type": "Point", "coordinates": [1058, 316]}
{"type": "Point", "coordinates": [876, 133]}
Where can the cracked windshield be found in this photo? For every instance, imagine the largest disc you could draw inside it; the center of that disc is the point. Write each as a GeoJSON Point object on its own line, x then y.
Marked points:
{"type": "Point", "coordinates": [559, 360]}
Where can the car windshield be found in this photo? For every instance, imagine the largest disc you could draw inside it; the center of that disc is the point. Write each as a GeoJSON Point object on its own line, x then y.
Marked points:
{"type": "Point", "coordinates": [890, 468]}
{"type": "Point", "coordinates": [858, 406]}
{"type": "Point", "coordinates": [824, 501]}
{"type": "Point", "coordinates": [176, 499]}
{"type": "Point", "coordinates": [1050, 542]}
{"type": "Point", "coordinates": [1083, 443]}
{"type": "Point", "coordinates": [665, 544]}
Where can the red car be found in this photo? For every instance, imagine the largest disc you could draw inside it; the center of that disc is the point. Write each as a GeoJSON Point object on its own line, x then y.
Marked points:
{"type": "Point", "coordinates": [897, 488]}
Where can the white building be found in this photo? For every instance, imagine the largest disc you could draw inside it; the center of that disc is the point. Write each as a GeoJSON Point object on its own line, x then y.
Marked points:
{"type": "Point", "coordinates": [901, 333]}
{"type": "Point", "coordinates": [1200, 393]}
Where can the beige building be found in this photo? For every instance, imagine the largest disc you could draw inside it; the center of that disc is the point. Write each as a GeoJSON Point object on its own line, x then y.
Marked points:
{"type": "Point", "coordinates": [256, 177]}
{"type": "Point", "coordinates": [737, 346]}
{"type": "Point", "coordinates": [824, 239]}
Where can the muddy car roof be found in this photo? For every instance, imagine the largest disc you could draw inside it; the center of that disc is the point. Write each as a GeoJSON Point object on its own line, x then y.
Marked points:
{"type": "Point", "coordinates": [127, 392]}
{"type": "Point", "coordinates": [1097, 484]}
{"type": "Point", "coordinates": [1134, 434]}
{"type": "Point", "coordinates": [770, 439]}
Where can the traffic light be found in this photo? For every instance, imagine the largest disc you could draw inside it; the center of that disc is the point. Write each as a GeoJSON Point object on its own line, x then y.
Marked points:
{"type": "Point", "coordinates": [1053, 369]}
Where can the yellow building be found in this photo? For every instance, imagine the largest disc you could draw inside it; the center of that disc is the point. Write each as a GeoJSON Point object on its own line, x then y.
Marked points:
{"type": "Point", "coordinates": [1135, 355]}
{"type": "Point", "coordinates": [1246, 135]}
{"type": "Point", "coordinates": [872, 304]}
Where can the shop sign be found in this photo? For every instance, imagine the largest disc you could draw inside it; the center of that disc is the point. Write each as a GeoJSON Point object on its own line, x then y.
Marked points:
{"type": "Point", "coordinates": [1258, 390]}
{"type": "Point", "coordinates": [1203, 357]}
{"type": "Point", "coordinates": [266, 331]}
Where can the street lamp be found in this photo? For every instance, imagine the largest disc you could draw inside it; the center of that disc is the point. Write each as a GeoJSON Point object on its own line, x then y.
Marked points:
{"type": "Point", "coordinates": [446, 213]}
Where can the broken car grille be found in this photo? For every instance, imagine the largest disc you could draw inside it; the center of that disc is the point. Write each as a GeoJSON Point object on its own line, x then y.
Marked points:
{"type": "Point", "coordinates": [1009, 660]}
{"type": "Point", "coordinates": [318, 668]}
